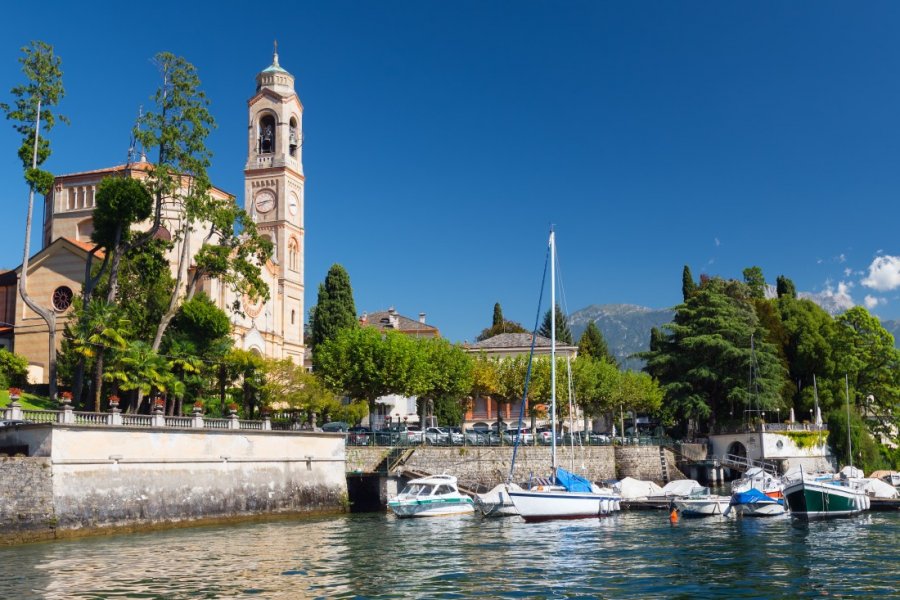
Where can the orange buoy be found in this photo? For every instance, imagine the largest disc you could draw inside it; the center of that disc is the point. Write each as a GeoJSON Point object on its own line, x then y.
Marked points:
{"type": "Point", "coordinates": [673, 516]}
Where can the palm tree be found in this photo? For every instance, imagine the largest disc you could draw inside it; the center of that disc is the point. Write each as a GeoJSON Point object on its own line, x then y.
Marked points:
{"type": "Point", "coordinates": [98, 328]}
{"type": "Point", "coordinates": [139, 367]}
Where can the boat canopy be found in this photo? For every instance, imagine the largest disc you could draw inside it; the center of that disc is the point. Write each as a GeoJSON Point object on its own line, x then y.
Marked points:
{"type": "Point", "coordinates": [880, 489]}
{"type": "Point", "coordinates": [630, 488]}
{"type": "Point", "coordinates": [571, 481]}
{"type": "Point", "coordinates": [751, 496]}
{"type": "Point", "coordinates": [680, 487]}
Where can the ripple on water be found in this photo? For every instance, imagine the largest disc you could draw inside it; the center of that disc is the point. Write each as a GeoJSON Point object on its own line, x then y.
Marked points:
{"type": "Point", "coordinates": [630, 555]}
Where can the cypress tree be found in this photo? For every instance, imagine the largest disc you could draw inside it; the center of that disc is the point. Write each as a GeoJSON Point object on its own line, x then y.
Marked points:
{"type": "Point", "coordinates": [563, 335]}
{"type": "Point", "coordinates": [335, 309]}
{"type": "Point", "coordinates": [785, 287]}
{"type": "Point", "coordinates": [688, 287]}
{"type": "Point", "coordinates": [594, 345]}
{"type": "Point", "coordinates": [498, 316]}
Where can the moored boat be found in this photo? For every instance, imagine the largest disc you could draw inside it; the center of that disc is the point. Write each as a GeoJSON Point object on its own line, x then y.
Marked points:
{"type": "Point", "coordinates": [812, 497]}
{"type": "Point", "coordinates": [496, 502]}
{"type": "Point", "coordinates": [701, 503]}
{"type": "Point", "coordinates": [758, 494]}
{"type": "Point", "coordinates": [435, 496]}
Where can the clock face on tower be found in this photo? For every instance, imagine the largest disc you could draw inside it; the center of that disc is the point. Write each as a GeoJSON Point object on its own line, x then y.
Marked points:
{"type": "Point", "coordinates": [292, 204]}
{"type": "Point", "coordinates": [265, 201]}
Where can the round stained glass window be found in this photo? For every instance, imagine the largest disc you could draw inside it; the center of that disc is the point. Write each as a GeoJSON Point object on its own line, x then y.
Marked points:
{"type": "Point", "coordinates": [62, 298]}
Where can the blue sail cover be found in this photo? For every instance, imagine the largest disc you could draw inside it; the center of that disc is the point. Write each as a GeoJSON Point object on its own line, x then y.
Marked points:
{"type": "Point", "coordinates": [753, 496]}
{"type": "Point", "coordinates": [572, 482]}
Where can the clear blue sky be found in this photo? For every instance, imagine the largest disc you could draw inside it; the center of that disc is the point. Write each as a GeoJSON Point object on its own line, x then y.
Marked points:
{"type": "Point", "coordinates": [442, 139]}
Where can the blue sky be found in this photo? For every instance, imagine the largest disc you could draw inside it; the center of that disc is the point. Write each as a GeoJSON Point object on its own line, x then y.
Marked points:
{"type": "Point", "coordinates": [442, 139]}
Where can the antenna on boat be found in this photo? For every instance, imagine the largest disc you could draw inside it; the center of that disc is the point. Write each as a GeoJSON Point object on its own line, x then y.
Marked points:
{"type": "Point", "coordinates": [849, 439]}
{"type": "Point", "coordinates": [553, 350]}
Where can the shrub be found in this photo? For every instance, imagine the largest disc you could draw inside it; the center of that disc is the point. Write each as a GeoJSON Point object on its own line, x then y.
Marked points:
{"type": "Point", "coordinates": [13, 367]}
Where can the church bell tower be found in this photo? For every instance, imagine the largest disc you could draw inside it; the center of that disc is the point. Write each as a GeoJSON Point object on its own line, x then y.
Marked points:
{"type": "Point", "coordinates": [273, 188]}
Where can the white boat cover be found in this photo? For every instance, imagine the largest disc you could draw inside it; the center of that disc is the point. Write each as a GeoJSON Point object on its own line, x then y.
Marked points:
{"type": "Point", "coordinates": [679, 487]}
{"type": "Point", "coordinates": [852, 472]}
{"type": "Point", "coordinates": [880, 489]}
{"type": "Point", "coordinates": [630, 488]}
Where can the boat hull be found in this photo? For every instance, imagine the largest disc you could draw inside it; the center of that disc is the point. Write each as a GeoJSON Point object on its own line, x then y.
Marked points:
{"type": "Point", "coordinates": [821, 500]}
{"type": "Point", "coordinates": [535, 506]}
{"type": "Point", "coordinates": [701, 507]}
{"type": "Point", "coordinates": [432, 508]}
{"type": "Point", "coordinates": [759, 509]}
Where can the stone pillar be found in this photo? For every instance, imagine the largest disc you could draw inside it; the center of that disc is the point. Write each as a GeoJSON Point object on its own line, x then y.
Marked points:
{"type": "Point", "coordinates": [233, 422]}
{"type": "Point", "coordinates": [267, 423]}
{"type": "Point", "coordinates": [197, 418]}
{"type": "Point", "coordinates": [158, 419]}
{"type": "Point", "coordinates": [13, 411]}
{"type": "Point", "coordinates": [67, 415]}
{"type": "Point", "coordinates": [115, 416]}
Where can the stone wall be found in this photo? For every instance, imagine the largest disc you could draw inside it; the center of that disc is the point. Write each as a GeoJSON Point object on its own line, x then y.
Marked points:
{"type": "Point", "coordinates": [26, 499]}
{"type": "Point", "coordinates": [643, 462]}
{"type": "Point", "coordinates": [118, 477]}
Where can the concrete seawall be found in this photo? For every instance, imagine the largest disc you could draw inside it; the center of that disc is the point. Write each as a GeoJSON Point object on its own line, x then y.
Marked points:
{"type": "Point", "coordinates": [78, 480]}
{"type": "Point", "coordinates": [475, 465]}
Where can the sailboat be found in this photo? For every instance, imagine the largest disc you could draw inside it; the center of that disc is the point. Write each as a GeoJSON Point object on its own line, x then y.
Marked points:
{"type": "Point", "coordinates": [565, 495]}
{"type": "Point", "coordinates": [825, 497]}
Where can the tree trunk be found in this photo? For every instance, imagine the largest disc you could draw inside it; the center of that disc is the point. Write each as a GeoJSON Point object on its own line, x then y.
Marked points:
{"type": "Point", "coordinates": [98, 380]}
{"type": "Point", "coordinates": [48, 316]}
{"type": "Point", "coordinates": [176, 292]}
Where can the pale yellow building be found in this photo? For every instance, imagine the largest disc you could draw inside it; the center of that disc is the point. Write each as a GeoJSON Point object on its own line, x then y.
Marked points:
{"type": "Point", "coordinates": [274, 197]}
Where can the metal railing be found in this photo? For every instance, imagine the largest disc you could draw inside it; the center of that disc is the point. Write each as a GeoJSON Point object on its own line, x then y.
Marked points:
{"type": "Point", "coordinates": [742, 463]}
{"type": "Point", "coordinates": [478, 438]}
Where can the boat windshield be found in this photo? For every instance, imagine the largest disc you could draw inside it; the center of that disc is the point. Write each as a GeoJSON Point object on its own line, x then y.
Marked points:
{"type": "Point", "coordinates": [417, 489]}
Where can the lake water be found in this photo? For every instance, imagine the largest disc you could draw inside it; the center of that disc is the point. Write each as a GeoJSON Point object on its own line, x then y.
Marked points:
{"type": "Point", "coordinates": [629, 555]}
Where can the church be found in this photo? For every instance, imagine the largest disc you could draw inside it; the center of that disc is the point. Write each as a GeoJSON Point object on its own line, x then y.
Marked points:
{"type": "Point", "coordinates": [273, 196]}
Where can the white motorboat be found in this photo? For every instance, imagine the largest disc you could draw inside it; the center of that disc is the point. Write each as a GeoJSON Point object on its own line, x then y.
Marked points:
{"type": "Point", "coordinates": [435, 496]}
{"type": "Point", "coordinates": [701, 503]}
{"type": "Point", "coordinates": [758, 494]}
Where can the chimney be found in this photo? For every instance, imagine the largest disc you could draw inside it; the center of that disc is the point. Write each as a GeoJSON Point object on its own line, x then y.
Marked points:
{"type": "Point", "coordinates": [364, 318]}
{"type": "Point", "coordinates": [422, 318]}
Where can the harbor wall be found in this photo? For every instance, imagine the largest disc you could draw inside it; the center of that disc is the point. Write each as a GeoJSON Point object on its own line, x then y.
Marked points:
{"type": "Point", "coordinates": [89, 479]}
{"type": "Point", "coordinates": [489, 465]}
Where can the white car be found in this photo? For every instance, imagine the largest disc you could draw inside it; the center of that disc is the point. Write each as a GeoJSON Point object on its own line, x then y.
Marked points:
{"type": "Point", "coordinates": [440, 436]}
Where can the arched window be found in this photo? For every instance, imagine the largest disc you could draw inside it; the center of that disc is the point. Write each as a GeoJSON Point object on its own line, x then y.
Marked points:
{"type": "Point", "coordinates": [293, 255]}
{"type": "Point", "coordinates": [293, 137]}
{"type": "Point", "coordinates": [267, 135]}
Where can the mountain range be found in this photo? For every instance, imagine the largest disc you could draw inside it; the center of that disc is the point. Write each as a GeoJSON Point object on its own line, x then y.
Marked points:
{"type": "Point", "coordinates": [626, 328]}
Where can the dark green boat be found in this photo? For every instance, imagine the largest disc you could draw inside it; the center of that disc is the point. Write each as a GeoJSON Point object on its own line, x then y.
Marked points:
{"type": "Point", "coordinates": [811, 498]}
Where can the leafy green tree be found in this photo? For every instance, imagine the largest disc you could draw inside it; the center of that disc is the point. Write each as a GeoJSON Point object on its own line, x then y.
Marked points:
{"type": "Point", "coordinates": [866, 454]}
{"type": "Point", "coordinates": [34, 101]}
{"type": "Point", "coordinates": [865, 351]}
{"type": "Point", "coordinates": [248, 368]}
{"type": "Point", "coordinates": [91, 335]}
{"type": "Point", "coordinates": [450, 378]}
{"type": "Point", "coordinates": [289, 387]}
{"type": "Point", "coordinates": [703, 363]}
{"type": "Point", "coordinates": [688, 285]}
{"type": "Point", "coordinates": [785, 287]}
{"type": "Point", "coordinates": [138, 367]}
{"type": "Point", "coordinates": [366, 363]}
{"type": "Point", "coordinates": [809, 349]}
{"type": "Point", "coordinates": [563, 335]}
{"type": "Point", "coordinates": [753, 277]}
{"type": "Point", "coordinates": [596, 382]}
{"type": "Point", "coordinates": [13, 369]}
{"type": "Point", "coordinates": [335, 309]}
{"type": "Point", "coordinates": [593, 344]}
{"type": "Point", "coordinates": [503, 327]}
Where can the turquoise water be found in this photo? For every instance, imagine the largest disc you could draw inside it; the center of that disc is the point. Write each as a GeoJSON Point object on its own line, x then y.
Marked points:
{"type": "Point", "coordinates": [630, 555]}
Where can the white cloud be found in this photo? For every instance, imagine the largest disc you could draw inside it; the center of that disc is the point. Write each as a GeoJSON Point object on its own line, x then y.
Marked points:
{"type": "Point", "coordinates": [842, 258]}
{"type": "Point", "coordinates": [884, 274]}
{"type": "Point", "coordinates": [833, 300]}
{"type": "Point", "coordinates": [848, 272]}
{"type": "Point", "coordinates": [718, 243]}
{"type": "Point", "coordinates": [872, 301]}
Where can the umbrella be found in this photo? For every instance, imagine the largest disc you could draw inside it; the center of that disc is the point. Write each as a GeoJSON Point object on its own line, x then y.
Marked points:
{"type": "Point", "coordinates": [791, 420]}
{"type": "Point", "coordinates": [818, 416]}
{"type": "Point", "coordinates": [614, 431]}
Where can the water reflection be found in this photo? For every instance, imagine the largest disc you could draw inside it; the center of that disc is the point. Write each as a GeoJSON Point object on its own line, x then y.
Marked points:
{"type": "Point", "coordinates": [629, 555]}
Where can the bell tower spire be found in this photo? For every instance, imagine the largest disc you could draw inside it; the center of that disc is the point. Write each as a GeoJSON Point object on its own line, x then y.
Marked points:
{"type": "Point", "coordinates": [274, 197]}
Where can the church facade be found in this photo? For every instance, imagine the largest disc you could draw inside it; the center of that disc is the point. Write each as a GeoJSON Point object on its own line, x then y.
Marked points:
{"type": "Point", "coordinates": [273, 196]}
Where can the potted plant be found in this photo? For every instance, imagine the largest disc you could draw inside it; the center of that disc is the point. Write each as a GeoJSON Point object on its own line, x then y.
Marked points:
{"type": "Point", "coordinates": [65, 398]}
{"type": "Point", "coordinates": [232, 408]}
{"type": "Point", "coordinates": [14, 394]}
{"type": "Point", "coordinates": [198, 407]}
{"type": "Point", "coordinates": [113, 401]}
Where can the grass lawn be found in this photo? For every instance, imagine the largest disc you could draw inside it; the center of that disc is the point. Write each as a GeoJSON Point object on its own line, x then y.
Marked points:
{"type": "Point", "coordinates": [29, 401]}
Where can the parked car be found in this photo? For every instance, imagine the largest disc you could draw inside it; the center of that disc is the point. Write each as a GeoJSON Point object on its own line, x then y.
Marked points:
{"type": "Point", "coordinates": [335, 426]}
{"type": "Point", "coordinates": [442, 436]}
{"type": "Point", "coordinates": [359, 435]}
{"type": "Point", "coordinates": [400, 434]}
{"type": "Point", "coordinates": [523, 433]}
{"type": "Point", "coordinates": [545, 435]}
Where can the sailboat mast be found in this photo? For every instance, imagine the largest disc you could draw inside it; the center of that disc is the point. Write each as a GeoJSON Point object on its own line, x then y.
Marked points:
{"type": "Point", "coordinates": [849, 440]}
{"type": "Point", "coordinates": [553, 350]}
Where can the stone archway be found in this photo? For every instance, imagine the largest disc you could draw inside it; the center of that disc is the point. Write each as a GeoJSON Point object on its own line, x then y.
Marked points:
{"type": "Point", "coordinates": [737, 449]}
